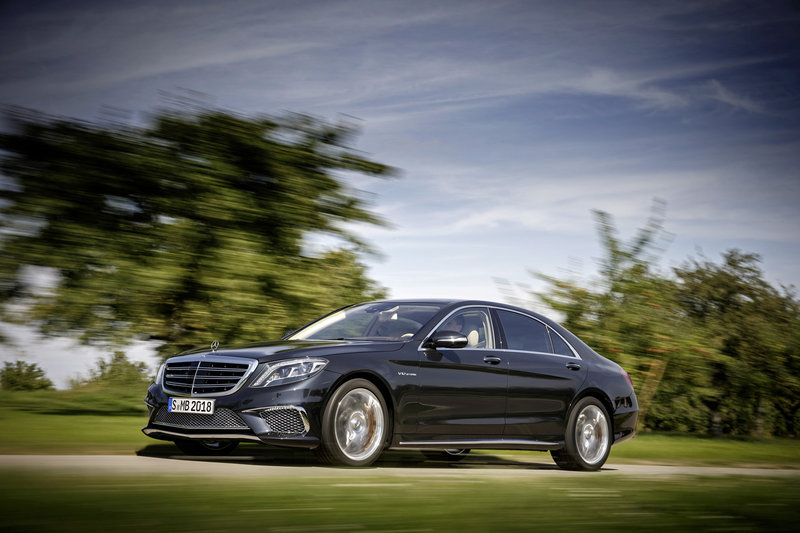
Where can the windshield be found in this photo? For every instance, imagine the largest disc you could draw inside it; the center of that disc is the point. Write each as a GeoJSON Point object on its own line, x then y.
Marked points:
{"type": "Point", "coordinates": [380, 321]}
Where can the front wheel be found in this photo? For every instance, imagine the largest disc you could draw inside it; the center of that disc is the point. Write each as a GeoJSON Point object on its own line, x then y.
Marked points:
{"type": "Point", "coordinates": [355, 424]}
{"type": "Point", "coordinates": [588, 438]}
{"type": "Point", "coordinates": [206, 447]}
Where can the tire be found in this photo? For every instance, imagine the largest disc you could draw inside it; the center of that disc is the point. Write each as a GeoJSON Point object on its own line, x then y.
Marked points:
{"type": "Point", "coordinates": [587, 442]}
{"type": "Point", "coordinates": [206, 447]}
{"type": "Point", "coordinates": [445, 455]}
{"type": "Point", "coordinates": [355, 425]}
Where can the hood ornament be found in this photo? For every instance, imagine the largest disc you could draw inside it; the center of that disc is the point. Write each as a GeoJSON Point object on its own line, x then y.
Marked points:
{"type": "Point", "coordinates": [214, 346]}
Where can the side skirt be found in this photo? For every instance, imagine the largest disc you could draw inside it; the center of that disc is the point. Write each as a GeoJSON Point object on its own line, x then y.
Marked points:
{"type": "Point", "coordinates": [502, 444]}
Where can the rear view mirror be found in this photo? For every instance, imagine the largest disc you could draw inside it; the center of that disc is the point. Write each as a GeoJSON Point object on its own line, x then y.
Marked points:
{"type": "Point", "coordinates": [446, 339]}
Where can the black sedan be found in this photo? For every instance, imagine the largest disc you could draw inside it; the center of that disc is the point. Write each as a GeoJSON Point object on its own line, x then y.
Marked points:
{"type": "Point", "coordinates": [442, 376]}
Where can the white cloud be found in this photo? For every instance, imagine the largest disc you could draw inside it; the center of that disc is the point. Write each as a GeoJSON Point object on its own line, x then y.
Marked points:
{"type": "Point", "coordinates": [389, 62]}
{"type": "Point", "coordinates": [723, 94]}
{"type": "Point", "coordinates": [606, 82]}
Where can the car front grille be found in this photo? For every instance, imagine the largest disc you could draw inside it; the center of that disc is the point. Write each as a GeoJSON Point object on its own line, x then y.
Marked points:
{"type": "Point", "coordinates": [221, 419]}
{"type": "Point", "coordinates": [206, 376]}
{"type": "Point", "coordinates": [285, 421]}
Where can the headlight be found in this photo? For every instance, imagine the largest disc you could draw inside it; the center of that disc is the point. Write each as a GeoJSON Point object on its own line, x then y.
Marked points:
{"type": "Point", "coordinates": [160, 374]}
{"type": "Point", "coordinates": [289, 371]}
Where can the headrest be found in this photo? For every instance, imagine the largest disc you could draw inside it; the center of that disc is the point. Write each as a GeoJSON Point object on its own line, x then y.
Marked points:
{"type": "Point", "coordinates": [473, 338]}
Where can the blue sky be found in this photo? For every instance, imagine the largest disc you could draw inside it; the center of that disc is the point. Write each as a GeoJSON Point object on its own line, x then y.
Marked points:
{"type": "Point", "coordinates": [510, 120]}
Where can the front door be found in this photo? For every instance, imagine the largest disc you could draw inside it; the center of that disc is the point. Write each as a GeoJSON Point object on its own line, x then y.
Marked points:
{"type": "Point", "coordinates": [463, 390]}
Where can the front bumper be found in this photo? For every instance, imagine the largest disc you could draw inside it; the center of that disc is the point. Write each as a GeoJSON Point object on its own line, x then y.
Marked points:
{"type": "Point", "coordinates": [286, 415]}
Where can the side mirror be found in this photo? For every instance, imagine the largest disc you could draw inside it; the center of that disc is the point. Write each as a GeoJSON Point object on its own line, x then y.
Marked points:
{"type": "Point", "coordinates": [446, 339]}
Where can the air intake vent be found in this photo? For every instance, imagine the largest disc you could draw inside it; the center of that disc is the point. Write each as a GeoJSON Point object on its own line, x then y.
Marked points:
{"type": "Point", "coordinates": [285, 421]}
{"type": "Point", "coordinates": [223, 419]}
{"type": "Point", "coordinates": [208, 376]}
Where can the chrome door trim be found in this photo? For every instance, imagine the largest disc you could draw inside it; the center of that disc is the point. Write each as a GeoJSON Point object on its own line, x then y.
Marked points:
{"type": "Point", "coordinates": [488, 444]}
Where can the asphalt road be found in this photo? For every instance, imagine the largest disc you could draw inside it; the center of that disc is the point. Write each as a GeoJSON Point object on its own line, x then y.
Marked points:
{"type": "Point", "coordinates": [397, 465]}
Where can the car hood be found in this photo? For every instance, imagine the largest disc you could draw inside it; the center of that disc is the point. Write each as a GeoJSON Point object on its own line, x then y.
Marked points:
{"type": "Point", "coordinates": [307, 348]}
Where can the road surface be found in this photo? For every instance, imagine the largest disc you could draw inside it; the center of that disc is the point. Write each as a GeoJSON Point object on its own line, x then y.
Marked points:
{"type": "Point", "coordinates": [479, 465]}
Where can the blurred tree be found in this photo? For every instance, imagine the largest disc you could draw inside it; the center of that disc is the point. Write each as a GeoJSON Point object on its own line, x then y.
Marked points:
{"type": "Point", "coordinates": [714, 349]}
{"type": "Point", "coordinates": [20, 375]}
{"type": "Point", "coordinates": [631, 315]}
{"type": "Point", "coordinates": [191, 230]}
{"type": "Point", "coordinates": [756, 332]}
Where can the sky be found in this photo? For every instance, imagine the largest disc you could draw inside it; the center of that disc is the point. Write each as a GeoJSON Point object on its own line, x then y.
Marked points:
{"type": "Point", "coordinates": [509, 121]}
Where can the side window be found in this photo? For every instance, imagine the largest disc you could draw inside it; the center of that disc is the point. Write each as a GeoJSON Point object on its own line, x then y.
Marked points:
{"type": "Point", "coordinates": [524, 333]}
{"type": "Point", "coordinates": [474, 323]}
{"type": "Point", "coordinates": [559, 346]}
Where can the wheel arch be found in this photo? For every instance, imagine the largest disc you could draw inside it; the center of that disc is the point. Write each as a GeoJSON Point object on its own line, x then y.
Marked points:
{"type": "Point", "coordinates": [603, 398]}
{"type": "Point", "coordinates": [381, 385]}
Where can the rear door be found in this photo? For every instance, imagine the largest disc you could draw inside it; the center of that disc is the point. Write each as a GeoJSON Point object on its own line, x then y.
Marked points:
{"type": "Point", "coordinates": [544, 374]}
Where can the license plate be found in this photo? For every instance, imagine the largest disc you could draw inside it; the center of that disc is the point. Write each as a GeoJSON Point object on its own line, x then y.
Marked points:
{"type": "Point", "coordinates": [191, 405]}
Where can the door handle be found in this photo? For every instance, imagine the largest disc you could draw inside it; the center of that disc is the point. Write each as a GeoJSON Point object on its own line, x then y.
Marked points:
{"type": "Point", "coordinates": [573, 366]}
{"type": "Point", "coordinates": [493, 359]}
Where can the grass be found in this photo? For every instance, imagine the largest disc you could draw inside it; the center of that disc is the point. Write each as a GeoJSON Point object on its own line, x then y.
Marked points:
{"type": "Point", "coordinates": [447, 499]}
{"type": "Point", "coordinates": [42, 433]}
{"type": "Point", "coordinates": [89, 399]}
{"type": "Point", "coordinates": [684, 449]}
{"type": "Point", "coordinates": [88, 420]}
{"type": "Point", "coordinates": [450, 502]}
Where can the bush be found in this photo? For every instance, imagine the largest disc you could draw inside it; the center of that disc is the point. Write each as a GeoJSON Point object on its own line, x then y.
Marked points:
{"type": "Point", "coordinates": [116, 374]}
{"type": "Point", "coordinates": [20, 375]}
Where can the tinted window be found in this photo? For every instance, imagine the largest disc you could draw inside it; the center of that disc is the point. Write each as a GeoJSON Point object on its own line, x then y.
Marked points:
{"type": "Point", "coordinates": [559, 346]}
{"type": "Point", "coordinates": [474, 324]}
{"type": "Point", "coordinates": [524, 333]}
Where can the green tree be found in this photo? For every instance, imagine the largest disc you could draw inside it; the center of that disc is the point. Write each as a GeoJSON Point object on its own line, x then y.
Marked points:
{"type": "Point", "coordinates": [631, 315]}
{"type": "Point", "coordinates": [20, 375]}
{"type": "Point", "coordinates": [192, 229]}
{"type": "Point", "coordinates": [116, 373]}
{"type": "Point", "coordinates": [755, 330]}
{"type": "Point", "coordinates": [713, 349]}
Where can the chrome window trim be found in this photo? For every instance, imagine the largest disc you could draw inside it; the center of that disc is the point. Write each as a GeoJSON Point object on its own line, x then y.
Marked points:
{"type": "Point", "coordinates": [573, 350]}
{"type": "Point", "coordinates": [569, 345]}
{"type": "Point", "coordinates": [575, 353]}
{"type": "Point", "coordinates": [507, 350]}
{"type": "Point", "coordinates": [252, 364]}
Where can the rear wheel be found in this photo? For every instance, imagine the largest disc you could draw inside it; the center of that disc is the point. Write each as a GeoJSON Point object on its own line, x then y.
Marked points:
{"type": "Point", "coordinates": [206, 447]}
{"type": "Point", "coordinates": [588, 438]}
{"type": "Point", "coordinates": [355, 424]}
